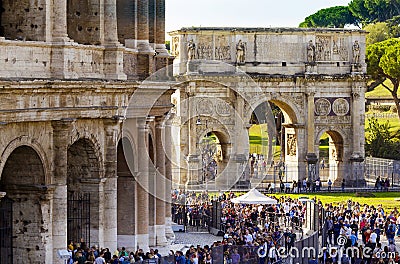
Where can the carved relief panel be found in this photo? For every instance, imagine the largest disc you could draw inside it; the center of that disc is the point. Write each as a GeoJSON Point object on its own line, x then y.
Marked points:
{"type": "Point", "coordinates": [323, 47]}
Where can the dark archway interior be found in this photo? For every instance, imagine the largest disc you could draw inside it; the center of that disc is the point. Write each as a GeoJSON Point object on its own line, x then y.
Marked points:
{"type": "Point", "coordinates": [125, 188]}
{"type": "Point", "coordinates": [83, 183]}
{"type": "Point", "coordinates": [22, 178]}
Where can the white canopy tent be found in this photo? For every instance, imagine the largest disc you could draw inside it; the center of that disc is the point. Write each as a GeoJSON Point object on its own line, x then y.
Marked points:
{"type": "Point", "coordinates": [254, 197]}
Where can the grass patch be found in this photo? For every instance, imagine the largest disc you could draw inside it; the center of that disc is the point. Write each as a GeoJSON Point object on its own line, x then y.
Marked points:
{"type": "Point", "coordinates": [381, 91]}
{"type": "Point", "coordinates": [386, 199]}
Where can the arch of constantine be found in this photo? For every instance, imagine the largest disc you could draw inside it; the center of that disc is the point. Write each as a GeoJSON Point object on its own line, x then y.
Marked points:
{"type": "Point", "coordinates": [316, 77]}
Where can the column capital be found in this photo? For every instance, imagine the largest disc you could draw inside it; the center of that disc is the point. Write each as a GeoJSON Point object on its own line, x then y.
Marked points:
{"type": "Point", "coordinates": [63, 124]}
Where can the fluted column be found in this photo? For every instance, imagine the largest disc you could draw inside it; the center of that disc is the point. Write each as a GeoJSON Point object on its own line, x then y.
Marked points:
{"type": "Point", "coordinates": [61, 135]}
{"type": "Point", "coordinates": [142, 197]}
{"type": "Point", "coordinates": [111, 127]}
{"type": "Point", "coordinates": [169, 233]}
{"type": "Point", "coordinates": [161, 240]}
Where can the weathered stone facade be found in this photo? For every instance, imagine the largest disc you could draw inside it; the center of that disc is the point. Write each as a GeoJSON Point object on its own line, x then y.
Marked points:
{"type": "Point", "coordinates": [67, 72]}
{"type": "Point", "coordinates": [315, 76]}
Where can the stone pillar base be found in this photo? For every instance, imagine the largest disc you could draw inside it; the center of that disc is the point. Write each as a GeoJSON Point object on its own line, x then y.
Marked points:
{"type": "Point", "coordinates": [127, 241]}
{"type": "Point", "coordinates": [161, 239]}
{"type": "Point", "coordinates": [142, 242]}
{"type": "Point", "coordinates": [169, 233]}
{"type": "Point", "coordinates": [113, 63]}
{"type": "Point", "coordinates": [152, 236]}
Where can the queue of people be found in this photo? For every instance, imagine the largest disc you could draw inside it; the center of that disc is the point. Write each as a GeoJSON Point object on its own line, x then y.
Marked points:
{"type": "Point", "coordinates": [358, 231]}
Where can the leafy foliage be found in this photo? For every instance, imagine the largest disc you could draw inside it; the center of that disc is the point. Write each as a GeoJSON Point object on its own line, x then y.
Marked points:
{"type": "Point", "coordinates": [377, 32]}
{"type": "Point", "coordinates": [384, 63]}
{"type": "Point", "coordinates": [337, 16]}
{"type": "Point", "coordinates": [380, 142]}
{"type": "Point", "coordinates": [368, 11]}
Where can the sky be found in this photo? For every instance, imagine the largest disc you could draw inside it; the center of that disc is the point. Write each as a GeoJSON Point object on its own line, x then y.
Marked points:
{"type": "Point", "coordinates": [243, 13]}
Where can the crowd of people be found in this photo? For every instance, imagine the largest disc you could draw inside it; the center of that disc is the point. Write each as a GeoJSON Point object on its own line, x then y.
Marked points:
{"type": "Point", "coordinates": [364, 234]}
{"type": "Point", "coordinates": [358, 230]}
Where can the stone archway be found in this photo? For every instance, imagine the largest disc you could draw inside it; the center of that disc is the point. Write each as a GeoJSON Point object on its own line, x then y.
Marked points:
{"type": "Point", "coordinates": [214, 152]}
{"type": "Point", "coordinates": [334, 167]}
{"type": "Point", "coordinates": [23, 180]}
{"type": "Point", "coordinates": [281, 117]}
{"type": "Point", "coordinates": [84, 186]}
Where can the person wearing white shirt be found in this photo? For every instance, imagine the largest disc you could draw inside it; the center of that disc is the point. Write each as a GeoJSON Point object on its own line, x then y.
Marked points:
{"type": "Point", "coordinates": [272, 254]}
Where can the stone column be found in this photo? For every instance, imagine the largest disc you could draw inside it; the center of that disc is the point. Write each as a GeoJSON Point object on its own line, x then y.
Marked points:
{"type": "Point", "coordinates": [357, 173]}
{"type": "Point", "coordinates": [142, 186]}
{"type": "Point", "coordinates": [169, 233]}
{"type": "Point", "coordinates": [192, 158]}
{"type": "Point", "coordinates": [110, 22]}
{"type": "Point", "coordinates": [161, 240]}
{"type": "Point", "coordinates": [59, 36]}
{"type": "Point", "coordinates": [311, 157]}
{"type": "Point", "coordinates": [111, 128]}
{"type": "Point", "coordinates": [143, 25]}
{"type": "Point", "coordinates": [145, 60]}
{"type": "Point", "coordinates": [61, 135]}
{"type": "Point", "coordinates": [114, 52]}
{"type": "Point", "coordinates": [161, 50]}
{"type": "Point", "coordinates": [59, 31]}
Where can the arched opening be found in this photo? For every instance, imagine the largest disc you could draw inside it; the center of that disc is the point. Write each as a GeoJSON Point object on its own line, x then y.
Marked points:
{"type": "Point", "coordinates": [273, 157]}
{"type": "Point", "coordinates": [83, 184]}
{"type": "Point", "coordinates": [212, 158]}
{"type": "Point", "coordinates": [126, 20]}
{"type": "Point", "coordinates": [125, 194]}
{"type": "Point", "coordinates": [83, 22]}
{"type": "Point", "coordinates": [23, 179]}
{"type": "Point", "coordinates": [23, 20]}
{"type": "Point", "coordinates": [330, 158]}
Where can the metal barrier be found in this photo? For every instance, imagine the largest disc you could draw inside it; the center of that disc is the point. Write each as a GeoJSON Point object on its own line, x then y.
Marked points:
{"type": "Point", "coordinates": [383, 168]}
{"type": "Point", "coordinates": [163, 260]}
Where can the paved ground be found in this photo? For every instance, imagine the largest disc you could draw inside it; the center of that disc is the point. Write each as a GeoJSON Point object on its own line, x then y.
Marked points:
{"type": "Point", "coordinates": [185, 240]}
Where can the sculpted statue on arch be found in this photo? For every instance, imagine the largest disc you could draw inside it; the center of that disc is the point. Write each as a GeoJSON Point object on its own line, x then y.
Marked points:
{"type": "Point", "coordinates": [240, 52]}
{"type": "Point", "coordinates": [356, 52]}
{"type": "Point", "coordinates": [191, 48]}
{"type": "Point", "coordinates": [310, 52]}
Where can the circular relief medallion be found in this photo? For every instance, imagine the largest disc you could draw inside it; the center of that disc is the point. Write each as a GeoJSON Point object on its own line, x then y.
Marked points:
{"type": "Point", "coordinates": [322, 107]}
{"type": "Point", "coordinates": [341, 107]}
{"type": "Point", "coordinates": [223, 109]}
{"type": "Point", "coordinates": [205, 107]}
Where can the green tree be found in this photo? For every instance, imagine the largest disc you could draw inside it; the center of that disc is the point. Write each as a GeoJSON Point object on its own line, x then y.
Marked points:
{"type": "Point", "coordinates": [384, 63]}
{"type": "Point", "coordinates": [377, 32]}
{"type": "Point", "coordinates": [358, 9]}
{"type": "Point", "coordinates": [337, 16]}
{"type": "Point", "coordinates": [379, 142]}
{"type": "Point", "coordinates": [368, 11]}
